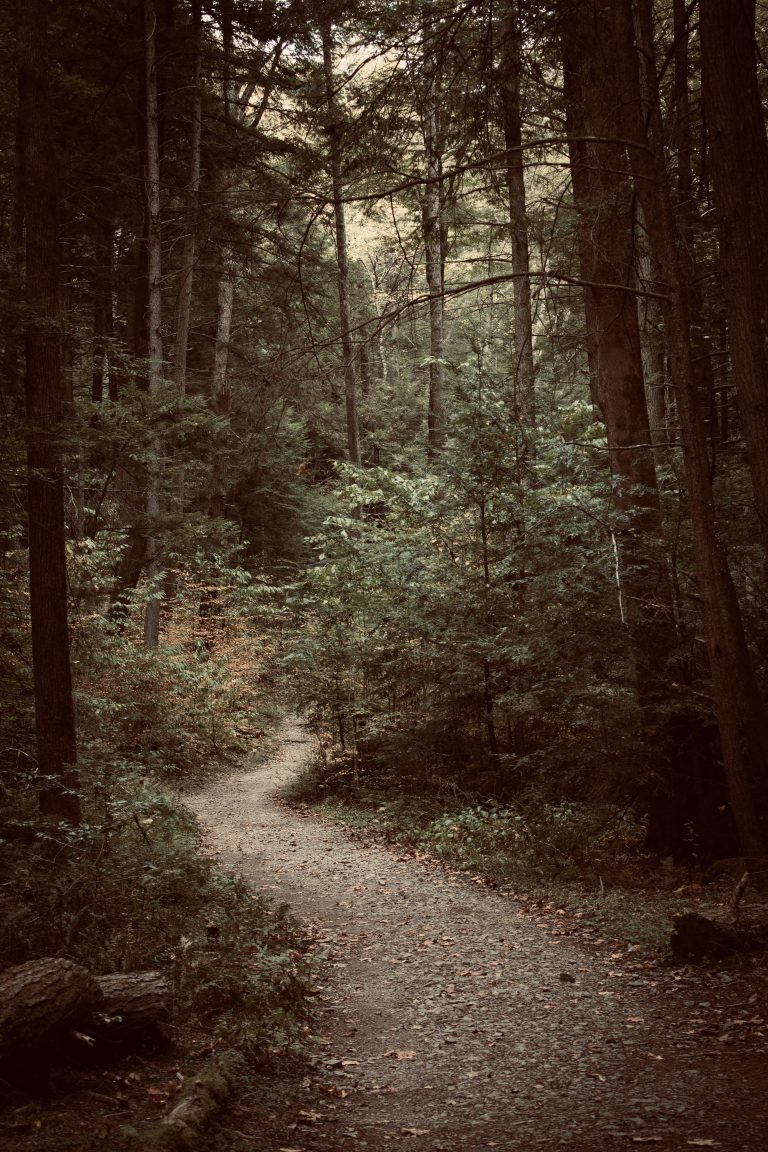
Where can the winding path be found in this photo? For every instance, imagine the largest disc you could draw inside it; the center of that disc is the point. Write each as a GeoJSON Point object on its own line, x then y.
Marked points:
{"type": "Point", "coordinates": [455, 1019]}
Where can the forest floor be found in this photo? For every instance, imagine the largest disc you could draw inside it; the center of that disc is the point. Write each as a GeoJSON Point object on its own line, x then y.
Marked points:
{"type": "Point", "coordinates": [452, 1017]}
{"type": "Point", "coordinates": [449, 1016]}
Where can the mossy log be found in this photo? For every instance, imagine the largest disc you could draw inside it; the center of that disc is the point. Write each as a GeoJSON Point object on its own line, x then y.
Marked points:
{"type": "Point", "coordinates": [39, 999]}
{"type": "Point", "coordinates": [185, 1127]}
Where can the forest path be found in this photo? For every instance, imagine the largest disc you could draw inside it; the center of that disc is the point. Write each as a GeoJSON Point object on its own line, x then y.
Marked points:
{"type": "Point", "coordinates": [454, 1019]}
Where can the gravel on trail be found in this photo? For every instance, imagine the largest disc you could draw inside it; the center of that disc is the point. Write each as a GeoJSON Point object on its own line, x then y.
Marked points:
{"type": "Point", "coordinates": [453, 1017]}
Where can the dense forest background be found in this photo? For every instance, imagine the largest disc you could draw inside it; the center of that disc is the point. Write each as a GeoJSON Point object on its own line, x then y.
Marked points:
{"type": "Point", "coordinates": [407, 362]}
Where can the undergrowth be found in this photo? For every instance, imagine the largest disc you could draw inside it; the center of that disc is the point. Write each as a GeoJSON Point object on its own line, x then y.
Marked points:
{"type": "Point", "coordinates": [128, 889]}
{"type": "Point", "coordinates": [585, 860]}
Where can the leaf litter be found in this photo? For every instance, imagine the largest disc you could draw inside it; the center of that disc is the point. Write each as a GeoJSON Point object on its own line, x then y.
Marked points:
{"type": "Point", "coordinates": [510, 1053]}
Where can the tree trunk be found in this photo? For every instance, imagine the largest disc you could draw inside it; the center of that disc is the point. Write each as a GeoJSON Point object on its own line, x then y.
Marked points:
{"type": "Point", "coordinates": [738, 150]}
{"type": "Point", "coordinates": [433, 252]}
{"type": "Point", "coordinates": [740, 709]}
{"type": "Point", "coordinates": [45, 398]}
{"type": "Point", "coordinates": [333, 129]}
{"type": "Point", "coordinates": [651, 326]}
{"type": "Point", "coordinates": [685, 214]}
{"type": "Point", "coordinates": [605, 205]}
{"type": "Point", "coordinates": [524, 375]}
{"type": "Point", "coordinates": [40, 999]}
{"type": "Point", "coordinates": [154, 321]}
{"type": "Point", "coordinates": [184, 303]}
{"type": "Point", "coordinates": [220, 399]}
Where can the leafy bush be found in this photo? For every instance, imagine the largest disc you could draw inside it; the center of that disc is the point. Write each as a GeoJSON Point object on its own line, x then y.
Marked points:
{"type": "Point", "coordinates": [566, 840]}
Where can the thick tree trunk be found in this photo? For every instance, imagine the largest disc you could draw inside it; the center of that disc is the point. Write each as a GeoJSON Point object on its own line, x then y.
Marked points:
{"type": "Point", "coordinates": [342, 260]}
{"type": "Point", "coordinates": [604, 200]}
{"type": "Point", "coordinates": [130, 1001]}
{"type": "Point", "coordinates": [154, 321]}
{"type": "Point", "coordinates": [524, 374]}
{"type": "Point", "coordinates": [45, 397]}
{"type": "Point", "coordinates": [740, 710]}
{"type": "Point", "coordinates": [738, 150]}
{"type": "Point", "coordinates": [685, 215]}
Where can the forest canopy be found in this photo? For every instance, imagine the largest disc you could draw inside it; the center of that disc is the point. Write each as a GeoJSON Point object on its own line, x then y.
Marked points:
{"type": "Point", "coordinates": [411, 358]}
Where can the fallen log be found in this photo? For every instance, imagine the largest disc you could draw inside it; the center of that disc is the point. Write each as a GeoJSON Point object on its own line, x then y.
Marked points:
{"type": "Point", "coordinates": [185, 1127]}
{"type": "Point", "coordinates": [45, 1001]}
{"type": "Point", "coordinates": [39, 999]}
{"type": "Point", "coordinates": [695, 938]}
{"type": "Point", "coordinates": [130, 1001]}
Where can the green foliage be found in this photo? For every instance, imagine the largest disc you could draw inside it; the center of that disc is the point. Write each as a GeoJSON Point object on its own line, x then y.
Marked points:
{"type": "Point", "coordinates": [564, 840]}
{"type": "Point", "coordinates": [455, 625]}
{"type": "Point", "coordinates": [128, 889]}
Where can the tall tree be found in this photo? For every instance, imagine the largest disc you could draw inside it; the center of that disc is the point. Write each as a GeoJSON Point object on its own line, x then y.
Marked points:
{"type": "Point", "coordinates": [738, 148]}
{"type": "Point", "coordinates": [46, 399]}
{"type": "Point", "coordinates": [334, 131]}
{"type": "Point", "coordinates": [154, 318]}
{"type": "Point", "coordinates": [432, 220]}
{"type": "Point", "coordinates": [511, 115]}
{"type": "Point", "coordinates": [184, 302]}
{"type": "Point", "coordinates": [604, 199]}
{"type": "Point", "coordinates": [740, 709]}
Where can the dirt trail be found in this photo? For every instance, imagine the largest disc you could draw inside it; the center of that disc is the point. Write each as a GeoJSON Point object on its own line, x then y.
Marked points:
{"type": "Point", "coordinates": [454, 1019]}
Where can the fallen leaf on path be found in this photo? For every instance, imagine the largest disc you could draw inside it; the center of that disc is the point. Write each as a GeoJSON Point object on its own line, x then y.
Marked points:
{"type": "Point", "coordinates": [310, 1117]}
{"type": "Point", "coordinates": [415, 1131]}
{"type": "Point", "coordinates": [703, 1143]}
{"type": "Point", "coordinates": [401, 1055]}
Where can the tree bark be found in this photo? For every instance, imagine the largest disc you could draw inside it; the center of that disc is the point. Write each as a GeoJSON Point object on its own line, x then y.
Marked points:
{"type": "Point", "coordinates": [431, 214]}
{"type": "Point", "coordinates": [604, 201]}
{"type": "Point", "coordinates": [220, 398]}
{"type": "Point", "coordinates": [686, 217]}
{"type": "Point", "coordinates": [184, 303]}
{"type": "Point", "coordinates": [154, 320]}
{"type": "Point", "coordinates": [524, 374]}
{"type": "Point", "coordinates": [45, 400]}
{"type": "Point", "coordinates": [130, 1001]}
{"type": "Point", "coordinates": [738, 150]}
{"type": "Point", "coordinates": [38, 997]}
{"type": "Point", "coordinates": [333, 129]}
{"type": "Point", "coordinates": [740, 710]}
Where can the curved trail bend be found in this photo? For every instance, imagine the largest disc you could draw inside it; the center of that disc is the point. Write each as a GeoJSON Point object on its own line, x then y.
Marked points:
{"type": "Point", "coordinates": [453, 1019]}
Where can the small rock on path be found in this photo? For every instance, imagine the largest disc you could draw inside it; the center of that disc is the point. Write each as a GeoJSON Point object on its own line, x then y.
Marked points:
{"type": "Point", "coordinates": [452, 1018]}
